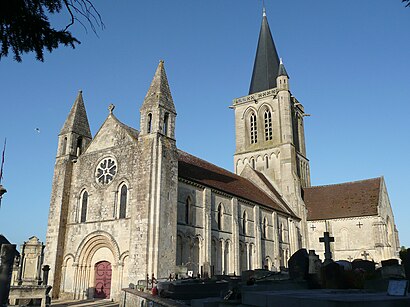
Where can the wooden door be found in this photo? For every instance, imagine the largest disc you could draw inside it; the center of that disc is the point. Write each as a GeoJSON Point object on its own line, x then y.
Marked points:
{"type": "Point", "coordinates": [102, 279]}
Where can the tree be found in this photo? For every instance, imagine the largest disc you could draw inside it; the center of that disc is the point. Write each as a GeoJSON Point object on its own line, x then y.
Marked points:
{"type": "Point", "coordinates": [24, 25]}
{"type": "Point", "coordinates": [407, 2]}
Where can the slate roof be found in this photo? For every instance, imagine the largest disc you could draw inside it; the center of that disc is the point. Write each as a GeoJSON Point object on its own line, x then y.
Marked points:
{"type": "Point", "coordinates": [207, 174]}
{"type": "Point", "coordinates": [266, 66]}
{"type": "Point", "coordinates": [350, 199]}
{"type": "Point", "coordinates": [77, 120]}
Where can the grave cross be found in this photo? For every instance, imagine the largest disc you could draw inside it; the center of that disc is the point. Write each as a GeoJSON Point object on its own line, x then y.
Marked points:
{"type": "Point", "coordinates": [350, 258]}
{"type": "Point", "coordinates": [365, 254]}
{"type": "Point", "coordinates": [326, 239]}
{"type": "Point", "coordinates": [359, 224]}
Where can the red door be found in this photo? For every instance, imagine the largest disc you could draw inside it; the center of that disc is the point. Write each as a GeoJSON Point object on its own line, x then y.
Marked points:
{"type": "Point", "coordinates": [102, 279]}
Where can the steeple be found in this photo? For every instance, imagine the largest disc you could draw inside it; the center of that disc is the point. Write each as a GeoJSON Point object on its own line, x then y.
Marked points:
{"type": "Point", "coordinates": [266, 66]}
{"type": "Point", "coordinates": [282, 69]}
{"type": "Point", "coordinates": [159, 93]}
{"type": "Point", "coordinates": [158, 110]}
{"type": "Point", "coordinates": [77, 121]}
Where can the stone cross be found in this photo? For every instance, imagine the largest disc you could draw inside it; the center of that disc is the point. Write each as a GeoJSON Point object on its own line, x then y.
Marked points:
{"type": "Point", "coordinates": [365, 254]}
{"type": "Point", "coordinates": [313, 227]}
{"type": "Point", "coordinates": [326, 239]}
{"type": "Point", "coordinates": [359, 225]}
{"type": "Point", "coordinates": [350, 258]}
{"type": "Point", "coordinates": [111, 108]}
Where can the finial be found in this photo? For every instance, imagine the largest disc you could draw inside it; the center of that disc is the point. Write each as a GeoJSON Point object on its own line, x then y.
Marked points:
{"type": "Point", "coordinates": [264, 11]}
{"type": "Point", "coordinates": [80, 91]}
{"type": "Point", "coordinates": [161, 61]}
{"type": "Point", "coordinates": [111, 108]}
{"type": "Point", "coordinates": [281, 62]}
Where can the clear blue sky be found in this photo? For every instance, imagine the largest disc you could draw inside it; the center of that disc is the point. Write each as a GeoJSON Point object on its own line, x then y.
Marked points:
{"type": "Point", "coordinates": [349, 63]}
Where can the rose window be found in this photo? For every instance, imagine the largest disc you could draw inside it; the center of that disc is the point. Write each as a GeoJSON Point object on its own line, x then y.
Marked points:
{"type": "Point", "coordinates": [106, 170]}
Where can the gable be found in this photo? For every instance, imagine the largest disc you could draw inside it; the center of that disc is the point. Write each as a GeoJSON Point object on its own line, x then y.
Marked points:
{"type": "Point", "coordinates": [112, 133]}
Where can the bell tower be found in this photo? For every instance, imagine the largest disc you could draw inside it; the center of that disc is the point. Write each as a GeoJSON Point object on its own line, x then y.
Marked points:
{"type": "Point", "coordinates": [269, 126]}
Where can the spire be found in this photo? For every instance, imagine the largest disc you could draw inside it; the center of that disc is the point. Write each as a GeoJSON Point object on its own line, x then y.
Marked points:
{"type": "Point", "coordinates": [282, 69]}
{"type": "Point", "coordinates": [159, 93]}
{"type": "Point", "coordinates": [266, 66]}
{"type": "Point", "coordinates": [77, 120]}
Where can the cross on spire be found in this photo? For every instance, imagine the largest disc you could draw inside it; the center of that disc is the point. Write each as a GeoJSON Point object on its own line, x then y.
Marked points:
{"type": "Point", "coordinates": [327, 239]}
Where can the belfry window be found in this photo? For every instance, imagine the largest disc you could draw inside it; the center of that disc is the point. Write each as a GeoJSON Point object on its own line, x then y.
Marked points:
{"type": "Point", "coordinates": [123, 201]}
{"type": "Point", "coordinates": [268, 125]}
{"type": "Point", "coordinates": [253, 128]}
{"type": "Point", "coordinates": [79, 145]}
{"type": "Point", "coordinates": [84, 204]}
{"type": "Point", "coordinates": [165, 126]}
{"type": "Point", "coordinates": [149, 123]}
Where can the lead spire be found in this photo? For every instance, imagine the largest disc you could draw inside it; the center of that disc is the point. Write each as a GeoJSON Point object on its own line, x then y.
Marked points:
{"type": "Point", "coordinates": [266, 66]}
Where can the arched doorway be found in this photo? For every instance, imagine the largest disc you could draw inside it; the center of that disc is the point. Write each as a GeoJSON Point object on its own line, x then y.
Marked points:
{"type": "Point", "coordinates": [102, 279]}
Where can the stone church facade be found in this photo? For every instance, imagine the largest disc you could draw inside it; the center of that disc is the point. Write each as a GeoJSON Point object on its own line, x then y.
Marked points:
{"type": "Point", "coordinates": [127, 203]}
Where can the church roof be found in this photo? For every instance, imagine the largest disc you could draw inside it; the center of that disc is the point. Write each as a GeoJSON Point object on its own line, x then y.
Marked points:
{"type": "Point", "coordinates": [350, 199]}
{"type": "Point", "coordinates": [266, 66]}
{"type": "Point", "coordinates": [205, 173]}
{"type": "Point", "coordinates": [159, 93]}
{"type": "Point", "coordinates": [77, 120]}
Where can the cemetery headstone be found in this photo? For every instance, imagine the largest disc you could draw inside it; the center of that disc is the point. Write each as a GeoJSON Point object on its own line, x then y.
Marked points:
{"type": "Point", "coordinates": [366, 265]}
{"type": "Point", "coordinates": [390, 262]}
{"type": "Point", "coordinates": [406, 264]}
{"type": "Point", "coordinates": [31, 260]}
{"type": "Point", "coordinates": [332, 276]}
{"type": "Point", "coordinates": [326, 240]}
{"type": "Point", "coordinates": [347, 265]}
{"type": "Point", "coordinates": [299, 265]}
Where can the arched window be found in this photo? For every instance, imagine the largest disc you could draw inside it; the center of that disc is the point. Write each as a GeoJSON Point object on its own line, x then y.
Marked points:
{"type": "Point", "coordinates": [266, 162]}
{"type": "Point", "coordinates": [244, 220]}
{"type": "Point", "coordinates": [84, 204]}
{"type": "Point", "coordinates": [268, 125]}
{"type": "Point", "coordinates": [253, 128]}
{"type": "Point", "coordinates": [165, 126]}
{"type": "Point", "coordinates": [253, 163]}
{"type": "Point", "coordinates": [220, 216]}
{"type": "Point", "coordinates": [64, 146]}
{"type": "Point", "coordinates": [149, 123]}
{"type": "Point", "coordinates": [188, 211]}
{"type": "Point", "coordinates": [265, 228]}
{"type": "Point", "coordinates": [123, 201]}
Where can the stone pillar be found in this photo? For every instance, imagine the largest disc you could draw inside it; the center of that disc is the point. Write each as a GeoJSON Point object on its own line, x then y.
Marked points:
{"type": "Point", "coordinates": [223, 257]}
{"type": "Point", "coordinates": [235, 257]}
{"type": "Point", "coordinates": [46, 269]}
{"type": "Point", "coordinates": [248, 266]}
{"type": "Point", "coordinates": [7, 254]}
{"type": "Point", "coordinates": [206, 251]}
{"type": "Point", "coordinates": [276, 260]}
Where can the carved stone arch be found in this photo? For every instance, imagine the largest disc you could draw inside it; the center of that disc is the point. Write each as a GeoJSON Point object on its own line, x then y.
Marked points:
{"type": "Point", "coordinates": [68, 257]}
{"type": "Point", "coordinates": [248, 110]}
{"type": "Point", "coordinates": [94, 241]}
{"type": "Point", "coordinates": [263, 107]}
{"type": "Point", "coordinates": [258, 157]}
{"type": "Point", "coordinates": [239, 162]}
{"type": "Point", "coordinates": [123, 256]}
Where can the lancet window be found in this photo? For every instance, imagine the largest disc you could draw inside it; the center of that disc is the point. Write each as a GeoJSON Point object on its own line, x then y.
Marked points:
{"type": "Point", "coordinates": [253, 128]}
{"type": "Point", "coordinates": [149, 123]}
{"type": "Point", "coordinates": [123, 201]}
{"type": "Point", "coordinates": [244, 221]}
{"type": "Point", "coordinates": [84, 204]}
{"type": "Point", "coordinates": [268, 125]}
{"type": "Point", "coordinates": [220, 216]}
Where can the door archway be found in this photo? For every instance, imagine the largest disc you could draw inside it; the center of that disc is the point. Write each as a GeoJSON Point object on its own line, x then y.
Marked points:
{"type": "Point", "coordinates": [103, 275]}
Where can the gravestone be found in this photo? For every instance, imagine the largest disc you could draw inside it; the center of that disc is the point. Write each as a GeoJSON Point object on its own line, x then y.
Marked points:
{"type": "Point", "coordinates": [406, 264]}
{"type": "Point", "coordinates": [326, 240]}
{"type": "Point", "coordinates": [299, 265]}
{"type": "Point", "coordinates": [347, 265]}
{"type": "Point", "coordinates": [314, 263]}
{"type": "Point", "coordinates": [366, 265]}
{"type": "Point", "coordinates": [390, 262]}
{"type": "Point", "coordinates": [332, 276]}
{"type": "Point", "coordinates": [7, 254]}
{"type": "Point", "coordinates": [31, 260]}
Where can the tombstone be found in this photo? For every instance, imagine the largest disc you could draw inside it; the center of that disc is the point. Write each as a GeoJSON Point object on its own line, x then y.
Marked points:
{"type": "Point", "coordinates": [299, 265]}
{"type": "Point", "coordinates": [31, 260]}
{"type": "Point", "coordinates": [7, 254]}
{"type": "Point", "coordinates": [366, 265]}
{"type": "Point", "coordinates": [332, 276]}
{"type": "Point", "coordinates": [406, 263]}
{"type": "Point", "coordinates": [390, 262]}
{"type": "Point", "coordinates": [315, 265]}
{"type": "Point", "coordinates": [326, 240]}
{"type": "Point", "coordinates": [347, 265]}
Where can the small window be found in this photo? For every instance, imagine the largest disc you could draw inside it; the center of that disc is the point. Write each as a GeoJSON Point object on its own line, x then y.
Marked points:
{"type": "Point", "coordinates": [165, 127]}
{"type": "Point", "coordinates": [79, 145]}
{"type": "Point", "coordinates": [253, 163]}
{"type": "Point", "coordinates": [253, 128]}
{"type": "Point", "coordinates": [266, 162]}
{"type": "Point", "coordinates": [265, 228]}
{"type": "Point", "coordinates": [220, 216]}
{"type": "Point", "coordinates": [149, 123]}
{"type": "Point", "coordinates": [244, 221]}
{"type": "Point", "coordinates": [84, 204]}
{"type": "Point", "coordinates": [188, 211]}
{"type": "Point", "coordinates": [64, 146]}
{"type": "Point", "coordinates": [123, 201]}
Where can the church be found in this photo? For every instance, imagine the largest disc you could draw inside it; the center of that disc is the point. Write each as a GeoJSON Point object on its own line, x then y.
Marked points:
{"type": "Point", "coordinates": [128, 203]}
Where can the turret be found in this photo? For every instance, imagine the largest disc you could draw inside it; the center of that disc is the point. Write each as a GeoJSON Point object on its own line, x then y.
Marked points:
{"type": "Point", "coordinates": [75, 135]}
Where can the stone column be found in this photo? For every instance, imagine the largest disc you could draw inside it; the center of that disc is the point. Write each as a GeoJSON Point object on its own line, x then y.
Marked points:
{"type": "Point", "coordinates": [248, 267]}
{"type": "Point", "coordinates": [206, 252]}
{"type": "Point", "coordinates": [258, 238]}
{"type": "Point", "coordinates": [276, 260]}
{"type": "Point", "coordinates": [222, 242]}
